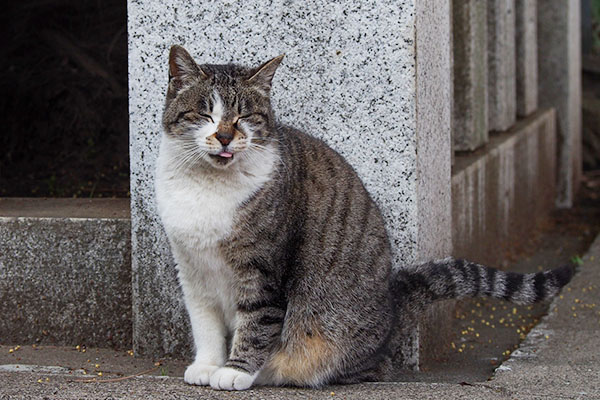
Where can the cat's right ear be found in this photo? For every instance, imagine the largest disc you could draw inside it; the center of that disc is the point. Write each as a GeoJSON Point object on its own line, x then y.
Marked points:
{"type": "Point", "coordinates": [183, 70]}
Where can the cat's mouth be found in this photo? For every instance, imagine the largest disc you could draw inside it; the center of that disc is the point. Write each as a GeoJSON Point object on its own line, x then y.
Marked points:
{"type": "Point", "coordinates": [223, 157]}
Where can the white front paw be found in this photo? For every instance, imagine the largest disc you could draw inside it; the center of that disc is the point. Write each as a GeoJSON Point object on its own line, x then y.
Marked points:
{"type": "Point", "coordinates": [199, 374]}
{"type": "Point", "coordinates": [230, 379]}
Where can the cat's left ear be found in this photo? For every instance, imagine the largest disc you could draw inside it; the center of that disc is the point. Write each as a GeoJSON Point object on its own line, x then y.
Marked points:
{"type": "Point", "coordinates": [263, 75]}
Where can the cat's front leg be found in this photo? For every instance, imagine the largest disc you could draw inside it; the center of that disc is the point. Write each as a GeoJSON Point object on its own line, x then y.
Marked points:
{"type": "Point", "coordinates": [209, 334]}
{"type": "Point", "coordinates": [258, 330]}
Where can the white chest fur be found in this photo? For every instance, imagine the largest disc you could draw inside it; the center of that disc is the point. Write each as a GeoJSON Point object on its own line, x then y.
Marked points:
{"type": "Point", "coordinates": [198, 209]}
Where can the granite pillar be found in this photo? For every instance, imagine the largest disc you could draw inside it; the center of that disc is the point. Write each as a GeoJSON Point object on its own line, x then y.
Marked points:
{"type": "Point", "coordinates": [559, 59]}
{"type": "Point", "coordinates": [527, 65]}
{"type": "Point", "coordinates": [356, 74]}
{"type": "Point", "coordinates": [502, 93]}
{"type": "Point", "coordinates": [470, 118]}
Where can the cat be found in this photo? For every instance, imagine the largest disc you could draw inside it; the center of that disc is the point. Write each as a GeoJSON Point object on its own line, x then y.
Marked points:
{"type": "Point", "coordinates": [282, 255]}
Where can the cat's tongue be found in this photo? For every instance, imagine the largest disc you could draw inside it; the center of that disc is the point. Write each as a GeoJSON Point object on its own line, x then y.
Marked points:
{"type": "Point", "coordinates": [225, 154]}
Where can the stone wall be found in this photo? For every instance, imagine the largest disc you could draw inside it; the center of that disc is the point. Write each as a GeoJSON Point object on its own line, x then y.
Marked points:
{"type": "Point", "coordinates": [470, 124]}
{"type": "Point", "coordinates": [591, 112]}
{"type": "Point", "coordinates": [499, 194]}
{"type": "Point", "coordinates": [533, 60]}
{"type": "Point", "coordinates": [526, 52]}
{"type": "Point", "coordinates": [502, 90]}
{"type": "Point", "coordinates": [559, 58]}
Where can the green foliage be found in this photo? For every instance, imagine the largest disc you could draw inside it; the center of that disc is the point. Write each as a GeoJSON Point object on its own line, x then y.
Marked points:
{"type": "Point", "coordinates": [577, 260]}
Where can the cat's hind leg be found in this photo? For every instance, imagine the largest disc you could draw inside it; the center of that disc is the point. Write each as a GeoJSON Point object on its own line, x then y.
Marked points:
{"type": "Point", "coordinates": [308, 360]}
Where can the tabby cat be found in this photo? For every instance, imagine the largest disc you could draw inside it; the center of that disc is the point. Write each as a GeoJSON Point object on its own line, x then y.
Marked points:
{"type": "Point", "coordinates": [282, 255]}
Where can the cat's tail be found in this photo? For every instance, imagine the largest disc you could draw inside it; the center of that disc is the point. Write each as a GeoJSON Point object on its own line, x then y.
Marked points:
{"type": "Point", "coordinates": [456, 279]}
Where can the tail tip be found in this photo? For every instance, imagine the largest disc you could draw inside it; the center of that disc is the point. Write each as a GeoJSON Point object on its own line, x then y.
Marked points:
{"type": "Point", "coordinates": [564, 274]}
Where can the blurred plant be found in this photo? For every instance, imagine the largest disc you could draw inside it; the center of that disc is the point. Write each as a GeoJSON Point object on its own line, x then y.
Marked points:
{"type": "Point", "coordinates": [577, 260]}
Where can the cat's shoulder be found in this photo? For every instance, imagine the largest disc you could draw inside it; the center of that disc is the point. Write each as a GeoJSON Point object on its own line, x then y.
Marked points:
{"type": "Point", "coordinates": [312, 150]}
{"type": "Point", "coordinates": [301, 140]}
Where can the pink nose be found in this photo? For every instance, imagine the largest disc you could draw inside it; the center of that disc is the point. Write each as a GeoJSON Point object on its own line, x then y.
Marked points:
{"type": "Point", "coordinates": [224, 138]}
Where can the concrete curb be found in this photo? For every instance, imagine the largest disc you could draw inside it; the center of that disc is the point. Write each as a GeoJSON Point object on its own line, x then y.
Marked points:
{"type": "Point", "coordinates": [560, 358]}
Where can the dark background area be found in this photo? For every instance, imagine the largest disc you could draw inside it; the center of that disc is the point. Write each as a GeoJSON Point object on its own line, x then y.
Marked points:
{"type": "Point", "coordinates": [63, 99]}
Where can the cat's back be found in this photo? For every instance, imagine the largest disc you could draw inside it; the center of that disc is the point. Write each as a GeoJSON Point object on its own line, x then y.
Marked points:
{"type": "Point", "coordinates": [343, 230]}
{"type": "Point", "coordinates": [314, 161]}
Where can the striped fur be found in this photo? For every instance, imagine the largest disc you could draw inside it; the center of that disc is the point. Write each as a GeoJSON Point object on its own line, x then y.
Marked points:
{"type": "Point", "coordinates": [456, 279]}
{"type": "Point", "coordinates": [283, 256]}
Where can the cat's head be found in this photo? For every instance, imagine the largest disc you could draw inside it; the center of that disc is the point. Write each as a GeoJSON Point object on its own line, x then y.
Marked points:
{"type": "Point", "coordinates": [219, 114]}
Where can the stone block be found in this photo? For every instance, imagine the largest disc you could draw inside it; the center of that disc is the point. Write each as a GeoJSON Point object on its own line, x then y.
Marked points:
{"type": "Point", "coordinates": [470, 118]}
{"type": "Point", "coordinates": [502, 90]}
{"type": "Point", "coordinates": [65, 274]}
{"type": "Point", "coordinates": [527, 65]}
{"type": "Point", "coordinates": [559, 59]}
{"type": "Point", "coordinates": [499, 193]}
{"type": "Point", "coordinates": [355, 74]}
{"type": "Point", "coordinates": [591, 120]}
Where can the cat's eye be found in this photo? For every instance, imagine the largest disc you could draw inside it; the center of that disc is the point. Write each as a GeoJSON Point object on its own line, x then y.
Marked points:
{"type": "Point", "coordinates": [206, 117]}
{"type": "Point", "coordinates": [254, 117]}
{"type": "Point", "coordinates": [191, 115]}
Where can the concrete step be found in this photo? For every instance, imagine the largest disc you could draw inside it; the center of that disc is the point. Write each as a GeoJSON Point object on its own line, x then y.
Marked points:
{"type": "Point", "coordinates": [65, 271]}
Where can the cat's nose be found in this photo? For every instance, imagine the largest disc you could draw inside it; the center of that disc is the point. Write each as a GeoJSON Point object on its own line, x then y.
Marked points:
{"type": "Point", "coordinates": [224, 138]}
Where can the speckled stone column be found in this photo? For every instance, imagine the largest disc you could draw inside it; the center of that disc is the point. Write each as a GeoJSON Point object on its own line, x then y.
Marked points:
{"type": "Point", "coordinates": [355, 74]}
{"type": "Point", "coordinates": [559, 58]}
{"type": "Point", "coordinates": [470, 123]}
{"type": "Point", "coordinates": [502, 90]}
{"type": "Point", "coordinates": [527, 65]}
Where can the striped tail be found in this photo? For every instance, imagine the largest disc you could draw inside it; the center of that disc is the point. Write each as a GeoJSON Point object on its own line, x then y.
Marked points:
{"type": "Point", "coordinates": [456, 279]}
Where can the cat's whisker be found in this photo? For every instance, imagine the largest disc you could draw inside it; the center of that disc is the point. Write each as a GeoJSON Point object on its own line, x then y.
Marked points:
{"type": "Point", "coordinates": [187, 158]}
{"type": "Point", "coordinates": [256, 146]}
{"type": "Point", "coordinates": [256, 150]}
{"type": "Point", "coordinates": [180, 164]}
